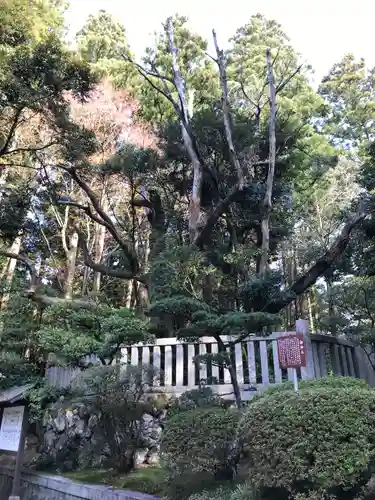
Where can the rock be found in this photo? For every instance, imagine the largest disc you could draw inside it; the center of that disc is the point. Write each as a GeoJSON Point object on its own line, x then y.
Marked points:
{"type": "Point", "coordinates": [141, 456]}
{"type": "Point", "coordinates": [69, 416]}
{"type": "Point", "coordinates": [93, 420]}
{"type": "Point", "coordinates": [153, 457]}
{"type": "Point", "coordinates": [59, 421]}
{"type": "Point", "coordinates": [82, 412]}
{"type": "Point", "coordinates": [62, 441]}
{"type": "Point", "coordinates": [80, 427]}
{"type": "Point", "coordinates": [49, 438]}
{"type": "Point", "coordinates": [47, 419]}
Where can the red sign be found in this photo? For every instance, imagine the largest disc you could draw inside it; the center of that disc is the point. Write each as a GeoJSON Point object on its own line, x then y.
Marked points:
{"type": "Point", "coordinates": [291, 351]}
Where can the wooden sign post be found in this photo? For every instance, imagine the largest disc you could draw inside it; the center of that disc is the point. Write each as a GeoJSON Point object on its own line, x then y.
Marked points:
{"type": "Point", "coordinates": [292, 354]}
{"type": "Point", "coordinates": [13, 428]}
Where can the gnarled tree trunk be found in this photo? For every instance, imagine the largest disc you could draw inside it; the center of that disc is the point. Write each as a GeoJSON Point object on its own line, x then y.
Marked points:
{"type": "Point", "coordinates": [267, 202]}
{"type": "Point", "coordinates": [8, 272]}
{"type": "Point", "coordinates": [71, 258]}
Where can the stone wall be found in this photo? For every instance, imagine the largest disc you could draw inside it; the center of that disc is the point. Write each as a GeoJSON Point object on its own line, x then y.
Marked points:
{"type": "Point", "coordinates": [36, 486]}
{"type": "Point", "coordinates": [70, 439]}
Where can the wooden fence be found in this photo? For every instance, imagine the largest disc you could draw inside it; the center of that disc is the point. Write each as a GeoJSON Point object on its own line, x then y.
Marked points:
{"type": "Point", "coordinates": [256, 361]}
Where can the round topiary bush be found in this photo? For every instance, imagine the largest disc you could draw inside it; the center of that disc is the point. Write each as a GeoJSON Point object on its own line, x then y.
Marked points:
{"type": "Point", "coordinates": [200, 445]}
{"type": "Point", "coordinates": [319, 440]}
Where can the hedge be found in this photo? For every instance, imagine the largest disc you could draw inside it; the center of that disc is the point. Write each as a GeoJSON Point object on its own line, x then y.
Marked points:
{"type": "Point", "coordinates": [319, 440]}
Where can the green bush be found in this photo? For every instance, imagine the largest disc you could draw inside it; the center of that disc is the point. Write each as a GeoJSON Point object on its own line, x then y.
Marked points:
{"type": "Point", "coordinates": [218, 494]}
{"type": "Point", "coordinates": [200, 446]}
{"type": "Point", "coordinates": [118, 395]}
{"type": "Point", "coordinates": [196, 398]}
{"type": "Point", "coordinates": [239, 492]}
{"type": "Point", "coordinates": [319, 440]}
{"type": "Point", "coordinates": [333, 382]}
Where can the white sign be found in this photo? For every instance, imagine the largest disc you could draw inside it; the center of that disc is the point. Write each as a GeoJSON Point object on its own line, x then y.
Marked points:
{"type": "Point", "coordinates": [11, 426]}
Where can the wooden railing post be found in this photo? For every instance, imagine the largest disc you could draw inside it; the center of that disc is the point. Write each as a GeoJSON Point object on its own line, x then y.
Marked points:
{"type": "Point", "coordinates": [302, 326]}
{"type": "Point", "coordinates": [363, 366]}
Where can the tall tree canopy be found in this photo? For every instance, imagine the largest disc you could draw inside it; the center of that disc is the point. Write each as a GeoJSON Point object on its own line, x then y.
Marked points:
{"type": "Point", "coordinates": [183, 195]}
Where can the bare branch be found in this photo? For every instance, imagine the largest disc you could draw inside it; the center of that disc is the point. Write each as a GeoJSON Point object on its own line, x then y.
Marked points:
{"type": "Point", "coordinates": [154, 73]}
{"type": "Point", "coordinates": [321, 265]}
{"type": "Point", "coordinates": [21, 258]}
{"type": "Point", "coordinates": [100, 268]}
{"type": "Point", "coordinates": [147, 75]}
{"type": "Point", "coordinates": [30, 149]}
{"type": "Point", "coordinates": [226, 113]}
{"type": "Point", "coordinates": [218, 211]}
{"type": "Point", "coordinates": [104, 219]}
{"type": "Point", "coordinates": [63, 231]}
{"type": "Point", "coordinates": [210, 57]}
{"type": "Point", "coordinates": [142, 202]}
{"type": "Point", "coordinates": [285, 82]}
{"type": "Point", "coordinates": [276, 57]}
{"type": "Point", "coordinates": [17, 115]}
{"type": "Point", "coordinates": [189, 141]}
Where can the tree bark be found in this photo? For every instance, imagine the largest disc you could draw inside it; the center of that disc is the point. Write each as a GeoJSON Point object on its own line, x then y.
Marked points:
{"type": "Point", "coordinates": [231, 367]}
{"type": "Point", "coordinates": [236, 387]}
{"type": "Point", "coordinates": [331, 308]}
{"type": "Point", "coordinates": [71, 259]}
{"type": "Point", "coordinates": [227, 115]}
{"type": "Point", "coordinates": [9, 272]}
{"type": "Point", "coordinates": [267, 202]}
{"type": "Point", "coordinates": [189, 142]}
{"type": "Point", "coordinates": [311, 316]}
{"type": "Point", "coordinates": [303, 283]}
{"type": "Point", "coordinates": [99, 250]}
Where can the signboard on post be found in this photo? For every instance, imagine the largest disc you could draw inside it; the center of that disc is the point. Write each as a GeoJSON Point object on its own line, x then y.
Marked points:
{"type": "Point", "coordinates": [11, 427]}
{"type": "Point", "coordinates": [292, 353]}
{"type": "Point", "coordinates": [14, 419]}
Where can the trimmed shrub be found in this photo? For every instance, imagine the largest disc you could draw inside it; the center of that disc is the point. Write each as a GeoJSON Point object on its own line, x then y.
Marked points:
{"type": "Point", "coordinates": [319, 440]}
{"type": "Point", "coordinates": [199, 446]}
{"type": "Point", "coordinates": [333, 382]}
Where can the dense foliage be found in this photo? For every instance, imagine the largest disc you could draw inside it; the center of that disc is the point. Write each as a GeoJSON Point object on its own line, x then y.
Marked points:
{"type": "Point", "coordinates": [320, 441]}
{"type": "Point", "coordinates": [200, 443]}
{"type": "Point", "coordinates": [117, 397]}
{"type": "Point", "coordinates": [167, 198]}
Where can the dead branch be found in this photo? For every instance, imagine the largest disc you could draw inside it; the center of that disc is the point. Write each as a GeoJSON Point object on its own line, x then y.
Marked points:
{"type": "Point", "coordinates": [30, 149]}
{"type": "Point", "coordinates": [226, 113]}
{"type": "Point", "coordinates": [103, 218]}
{"type": "Point", "coordinates": [285, 82]}
{"type": "Point", "coordinates": [321, 265]}
{"type": "Point", "coordinates": [147, 75]}
{"type": "Point", "coordinates": [189, 141]}
{"type": "Point", "coordinates": [25, 260]}
{"type": "Point", "coordinates": [267, 202]}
